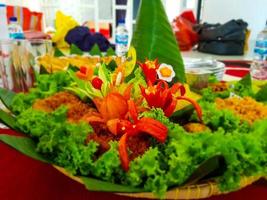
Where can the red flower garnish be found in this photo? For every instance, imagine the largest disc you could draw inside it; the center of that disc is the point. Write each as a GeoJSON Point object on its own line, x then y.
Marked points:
{"type": "Point", "coordinates": [161, 96]}
{"type": "Point", "coordinates": [128, 128]}
{"type": "Point", "coordinates": [97, 83]}
{"type": "Point", "coordinates": [150, 70]}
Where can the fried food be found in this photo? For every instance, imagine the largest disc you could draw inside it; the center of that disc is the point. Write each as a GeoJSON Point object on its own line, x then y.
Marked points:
{"type": "Point", "coordinates": [54, 64]}
{"type": "Point", "coordinates": [76, 108]}
{"type": "Point", "coordinates": [246, 108]}
{"type": "Point", "coordinates": [219, 87]}
{"type": "Point", "coordinates": [195, 127]}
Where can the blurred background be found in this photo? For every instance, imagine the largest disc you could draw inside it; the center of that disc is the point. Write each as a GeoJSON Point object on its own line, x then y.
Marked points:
{"type": "Point", "coordinates": [106, 13]}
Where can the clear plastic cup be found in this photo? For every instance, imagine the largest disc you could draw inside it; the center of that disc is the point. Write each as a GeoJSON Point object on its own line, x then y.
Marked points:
{"type": "Point", "coordinates": [17, 62]}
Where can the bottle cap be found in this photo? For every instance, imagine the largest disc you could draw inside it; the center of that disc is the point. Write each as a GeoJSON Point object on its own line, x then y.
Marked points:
{"type": "Point", "coordinates": [13, 19]}
{"type": "Point", "coordinates": [121, 21]}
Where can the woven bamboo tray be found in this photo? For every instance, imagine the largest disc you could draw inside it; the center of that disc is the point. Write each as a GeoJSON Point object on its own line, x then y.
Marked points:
{"type": "Point", "coordinates": [199, 191]}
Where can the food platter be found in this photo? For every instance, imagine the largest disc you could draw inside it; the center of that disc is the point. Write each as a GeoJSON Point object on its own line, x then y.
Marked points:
{"type": "Point", "coordinates": [198, 191]}
{"type": "Point", "coordinates": [134, 127]}
{"type": "Point", "coordinates": [199, 137]}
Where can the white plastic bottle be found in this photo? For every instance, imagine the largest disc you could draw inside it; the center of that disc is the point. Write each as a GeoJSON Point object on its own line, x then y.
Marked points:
{"type": "Point", "coordinates": [14, 29]}
{"type": "Point", "coordinates": [3, 23]}
{"type": "Point", "coordinates": [259, 64]}
{"type": "Point", "coordinates": [121, 38]}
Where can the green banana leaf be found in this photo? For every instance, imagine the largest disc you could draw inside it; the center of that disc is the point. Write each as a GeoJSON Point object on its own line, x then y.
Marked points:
{"type": "Point", "coordinates": [75, 50]}
{"type": "Point", "coordinates": [8, 119]}
{"type": "Point", "coordinates": [95, 51]}
{"type": "Point", "coordinates": [97, 185]}
{"type": "Point", "coordinates": [27, 146]}
{"type": "Point", "coordinates": [112, 66]}
{"type": "Point", "coordinates": [110, 52]}
{"type": "Point", "coordinates": [6, 96]}
{"type": "Point", "coordinates": [58, 53]}
{"type": "Point", "coordinates": [212, 166]}
{"type": "Point", "coordinates": [261, 95]}
{"type": "Point", "coordinates": [154, 38]}
{"type": "Point", "coordinates": [244, 87]}
{"type": "Point", "coordinates": [24, 145]}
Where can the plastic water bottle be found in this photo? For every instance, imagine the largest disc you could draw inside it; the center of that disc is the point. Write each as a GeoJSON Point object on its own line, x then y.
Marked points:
{"type": "Point", "coordinates": [14, 29]}
{"type": "Point", "coordinates": [3, 23]}
{"type": "Point", "coordinates": [121, 38]}
{"type": "Point", "coordinates": [259, 64]}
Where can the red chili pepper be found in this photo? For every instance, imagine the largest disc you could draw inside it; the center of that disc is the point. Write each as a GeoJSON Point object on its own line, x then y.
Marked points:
{"type": "Point", "coordinates": [97, 83]}
{"type": "Point", "coordinates": [139, 126]}
{"type": "Point", "coordinates": [153, 128]}
{"type": "Point", "coordinates": [161, 96]}
{"type": "Point", "coordinates": [127, 92]}
{"type": "Point", "coordinates": [171, 108]}
{"type": "Point", "coordinates": [132, 110]}
{"type": "Point", "coordinates": [195, 104]}
{"type": "Point", "coordinates": [176, 87]}
{"type": "Point", "coordinates": [123, 152]}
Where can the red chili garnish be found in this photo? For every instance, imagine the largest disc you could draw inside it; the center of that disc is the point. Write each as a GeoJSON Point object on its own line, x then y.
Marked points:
{"type": "Point", "coordinates": [195, 104]}
{"type": "Point", "coordinates": [123, 152]}
{"type": "Point", "coordinates": [150, 70]}
{"type": "Point", "coordinates": [138, 126]}
{"type": "Point", "coordinates": [161, 96]}
{"type": "Point", "coordinates": [97, 83]}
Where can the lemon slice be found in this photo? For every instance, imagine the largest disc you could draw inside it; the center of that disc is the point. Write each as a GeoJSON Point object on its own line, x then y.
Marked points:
{"type": "Point", "coordinates": [130, 61]}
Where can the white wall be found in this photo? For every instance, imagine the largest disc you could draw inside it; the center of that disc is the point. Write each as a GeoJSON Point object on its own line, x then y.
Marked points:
{"type": "Point", "coordinates": [175, 7]}
{"type": "Point", "coordinates": [252, 11]}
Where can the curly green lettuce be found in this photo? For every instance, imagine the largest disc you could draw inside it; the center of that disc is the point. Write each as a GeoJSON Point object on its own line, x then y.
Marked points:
{"type": "Point", "coordinates": [46, 85]}
{"type": "Point", "coordinates": [162, 166]}
{"type": "Point", "coordinates": [61, 141]}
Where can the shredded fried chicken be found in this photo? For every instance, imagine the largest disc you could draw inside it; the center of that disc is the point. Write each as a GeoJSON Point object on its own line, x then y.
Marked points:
{"type": "Point", "coordinates": [138, 145]}
{"type": "Point", "coordinates": [76, 108]}
{"type": "Point", "coordinates": [246, 108]}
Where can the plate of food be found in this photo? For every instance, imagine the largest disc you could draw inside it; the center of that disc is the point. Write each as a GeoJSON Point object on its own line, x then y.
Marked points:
{"type": "Point", "coordinates": [134, 138]}
{"type": "Point", "coordinates": [136, 129]}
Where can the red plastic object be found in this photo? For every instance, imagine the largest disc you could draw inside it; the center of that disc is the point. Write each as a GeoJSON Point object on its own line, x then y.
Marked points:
{"type": "Point", "coordinates": [183, 29]}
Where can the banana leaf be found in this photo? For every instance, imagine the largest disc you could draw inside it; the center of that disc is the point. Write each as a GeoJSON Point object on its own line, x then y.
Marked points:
{"type": "Point", "coordinates": [110, 52]}
{"type": "Point", "coordinates": [95, 51]}
{"type": "Point", "coordinates": [27, 146]}
{"type": "Point", "coordinates": [6, 96]}
{"type": "Point", "coordinates": [261, 95]}
{"type": "Point", "coordinates": [75, 50]}
{"type": "Point", "coordinates": [97, 185]}
{"type": "Point", "coordinates": [58, 53]}
{"type": "Point", "coordinates": [8, 119]}
{"type": "Point", "coordinates": [212, 167]}
{"type": "Point", "coordinates": [24, 145]}
{"type": "Point", "coordinates": [244, 87]}
{"type": "Point", "coordinates": [154, 38]}
{"type": "Point", "coordinates": [42, 70]}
